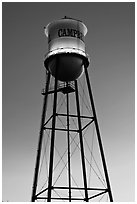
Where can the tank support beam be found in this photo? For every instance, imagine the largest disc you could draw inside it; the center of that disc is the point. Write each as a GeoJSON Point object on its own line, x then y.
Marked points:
{"type": "Point", "coordinates": [33, 198]}
{"type": "Point", "coordinates": [98, 135]}
{"type": "Point", "coordinates": [52, 138]}
{"type": "Point", "coordinates": [68, 138]}
{"type": "Point", "coordinates": [81, 142]}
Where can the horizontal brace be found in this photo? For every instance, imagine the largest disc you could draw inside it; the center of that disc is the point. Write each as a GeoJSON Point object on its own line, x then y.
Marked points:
{"type": "Point", "coordinates": [73, 188]}
{"type": "Point", "coordinates": [59, 129]}
{"type": "Point", "coordinates": [50, 92]}
{"type": "Point", "coordinates": [78, 188]}
{"type": "Point", "coordinates": [70, 115]}
{"type": "Point", "coordinates": [61, 198]}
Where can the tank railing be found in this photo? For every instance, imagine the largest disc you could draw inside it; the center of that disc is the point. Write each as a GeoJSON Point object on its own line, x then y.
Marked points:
{"type": "Point", "coordinates": [64, 84]}
{"type": "Point", "coordinates": [66, 17]}
{"type": "Point", "coordinates": [65, 48]}
{"type": "Point", "coordinates": [60, 87]}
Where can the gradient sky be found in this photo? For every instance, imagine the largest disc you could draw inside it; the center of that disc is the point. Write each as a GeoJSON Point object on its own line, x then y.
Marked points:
{"type": "Point", "coordinates": [110, 44]}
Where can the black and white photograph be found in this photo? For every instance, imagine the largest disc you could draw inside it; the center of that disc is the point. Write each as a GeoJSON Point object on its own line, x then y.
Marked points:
{"type": "Point", "coordinates": [68, 101]}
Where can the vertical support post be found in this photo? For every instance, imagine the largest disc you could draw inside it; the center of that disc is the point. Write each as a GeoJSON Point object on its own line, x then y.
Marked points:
{"type": "Point", "coordinates": [33, 198]}
{"type": "Point", "coordinates": [68, 138]}
{"type": "Point", "coordinates": [98, 135]}
{"type": "Point", "coordinates": [81, 142]}
{"type": "Point", "coordinates": [52, 137]}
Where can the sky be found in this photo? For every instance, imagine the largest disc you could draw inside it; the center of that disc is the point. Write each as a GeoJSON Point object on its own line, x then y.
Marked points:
{"type": "Point", "coordinates": [110, 45]}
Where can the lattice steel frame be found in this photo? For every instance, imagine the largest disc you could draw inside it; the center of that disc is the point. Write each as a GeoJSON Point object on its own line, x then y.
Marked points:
{"type": "Point", "coordinates": [50, 187]}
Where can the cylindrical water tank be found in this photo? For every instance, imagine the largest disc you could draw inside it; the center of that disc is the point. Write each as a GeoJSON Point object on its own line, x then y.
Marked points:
{"type": "Point", "coordinates": [66, 48]}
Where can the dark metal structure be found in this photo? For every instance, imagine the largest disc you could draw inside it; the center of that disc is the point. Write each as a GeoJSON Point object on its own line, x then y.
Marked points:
{"type": "Point", "coordinates": [67, 89]}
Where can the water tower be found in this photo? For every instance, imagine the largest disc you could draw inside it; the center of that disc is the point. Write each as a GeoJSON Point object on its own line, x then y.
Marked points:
{"type": "Point", "coordinates": [66, 168]}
